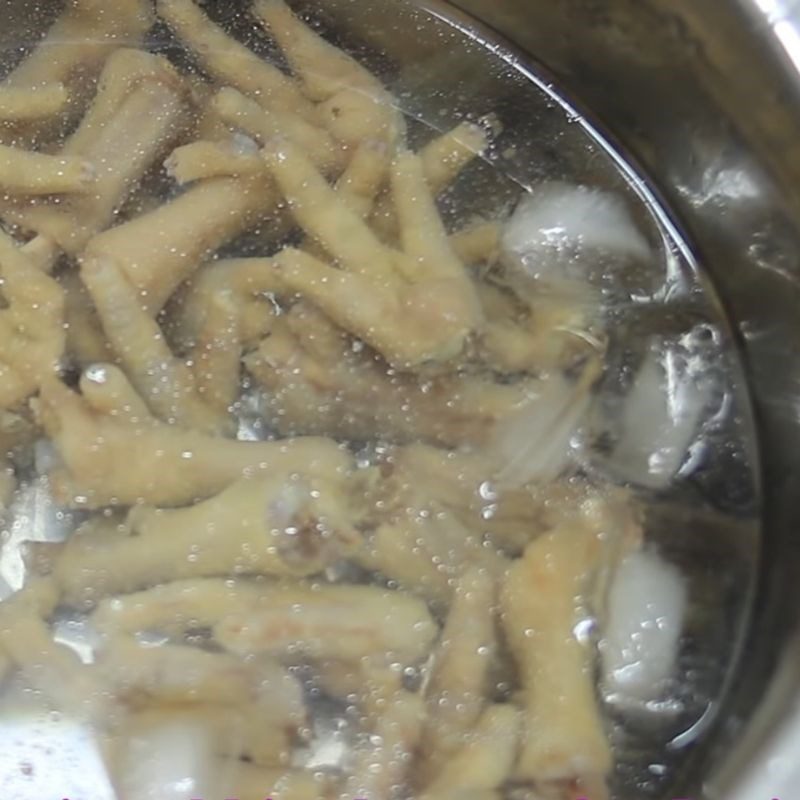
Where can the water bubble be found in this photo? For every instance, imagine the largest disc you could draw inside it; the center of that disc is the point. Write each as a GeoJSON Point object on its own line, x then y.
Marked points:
{"type": "Point", "coordinates": [486, 491]}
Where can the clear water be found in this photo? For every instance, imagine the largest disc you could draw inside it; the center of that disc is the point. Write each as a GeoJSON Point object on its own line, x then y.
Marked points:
{"type": "Point", "coordinates": [442, 68]}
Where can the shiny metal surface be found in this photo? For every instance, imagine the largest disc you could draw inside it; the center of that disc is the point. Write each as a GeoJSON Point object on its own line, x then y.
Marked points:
{"type": "Point", "coordinates": [706, 96]}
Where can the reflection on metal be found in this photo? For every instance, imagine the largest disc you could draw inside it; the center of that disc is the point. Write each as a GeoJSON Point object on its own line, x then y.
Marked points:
{"type": "Point", "coordinates": [34, 517]}
{"type": "Point", "coordinates": [783, 16]}
{"type": "Point", "coordinates": [789, 36]}
{"type": "Point", "coordinates": [770, 750]}
{"type": "Point", "coordinates": [777, 10]}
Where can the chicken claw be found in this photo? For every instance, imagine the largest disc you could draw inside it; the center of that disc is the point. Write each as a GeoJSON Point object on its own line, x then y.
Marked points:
{"type": "Point", "coordinates": [230, 62]}
{"type": "Point", "coordinates": [173, 609]}
{"type": "Point", "coordinates": [456, 694]}
{"type": "Point", "coordinates": [565, 742]}
{"type": "Point", "coordinates": [159, 250]}
{"type": "Point", "coordinates": [242, 113]}
{"type": "Point", "coordinates": [443, 159]}
{"type": "Point", "coordinates": [352, 101]}
{"type": "Point", "coordinates": [283, 525]}
{"type": "Point", "coordinates": [108, 461]}
{"type": "Point", "coordinates": [210, 159]}
{"type": "Point", "coordinates": [318, 381]}
{"type": "Point", "coordinates": [486, 757]}
{"type": "Point", "coordinates": [140, 108]}
{"type": "Point", "coordinates": [385, 762]}
{"type": "Point", "coordinates": [32, 338]}
{"type": "Point", "coordinates": [412, 307]}
{"type": "Point", "coordinates": [267, 700]}
{"type": "Point", "coordinates": [347, 623]}
{"type": "Point", "coordinates": [25, 172]}
{"type": "Point", "coordinates": [77, 45]}
{"type": "Point", "coordinates": [26, 104]}
{"type": "Point", "coordinates": [168, 385]}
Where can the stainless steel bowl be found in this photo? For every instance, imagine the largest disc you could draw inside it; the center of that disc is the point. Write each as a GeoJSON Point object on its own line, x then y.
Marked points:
{"type": "Point", "coordinates": [705, 96]}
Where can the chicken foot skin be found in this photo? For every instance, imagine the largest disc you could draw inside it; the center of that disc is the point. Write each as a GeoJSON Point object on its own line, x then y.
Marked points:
{"type": "Point", "coordinates": [170, 387]}
{"type": "Point", "coordinates": [32, 338]}
{"type": "Point", "coordinates": [21, 104]}
{"type": "Point", "coordinates": [347, 623]}
{"type": "Point", "coordinates": [60, 73]}
{"type": "Point", "coordinates": [263, 698]}
{"type": "Point", "coordinates": [159, 250]}
{"type": "Point", "coordinates": [565, 742]}
{"type": "Point", "coordinates": [412, 306]}
{"type": "Point", "coordinates": [485, 760]}
{"type": "Point", "coordinates": [232, 63]}
{"type": "Point", "coordinates": [283, 525]}
{"type": "Point", "coordinates": [24, 172]}
{"type": "Point", "coordinates": [456, 694]}
{"type": "Point", "coordinates": [316, 383]}
{"type": "Point", "coordinates": [175, 608]}
{"type": "Point", "coordinates": [249, 280]}
{"type": "Point", "coordinates": [386, 762]}
{"type": "Point", "coordinates": [140, 108]}
{"type": "Point", "coordinates": [351, 100]}
{"type": "Point", "coordinates": [163, 465]}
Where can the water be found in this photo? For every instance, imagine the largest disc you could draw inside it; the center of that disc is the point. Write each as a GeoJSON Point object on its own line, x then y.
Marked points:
{"type": "Point", "coordinates": [445, 68]}
{"type": "Point", "coordinates": [665, 325]}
